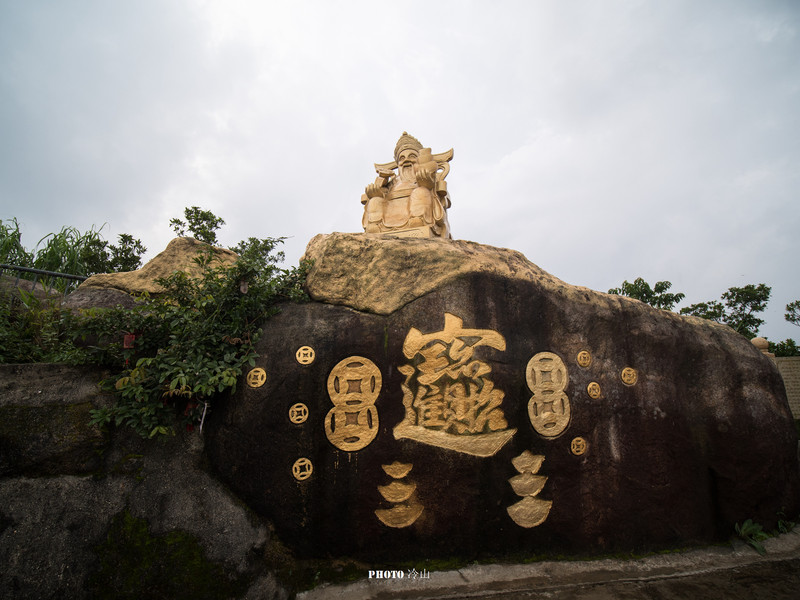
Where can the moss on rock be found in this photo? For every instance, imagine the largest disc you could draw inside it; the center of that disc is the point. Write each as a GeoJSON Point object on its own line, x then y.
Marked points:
{"type": "Point", "coordinates": [133, 563]}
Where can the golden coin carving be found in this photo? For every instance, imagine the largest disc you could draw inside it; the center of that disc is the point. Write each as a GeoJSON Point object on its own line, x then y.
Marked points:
{"type": "Point", "coordinates": [549, 408]}
{"type": "Point", "coordinates": [256, 377]}
{"type": "Point", "coordinates": [629, 376]}
{"type": "Point", "coordinates": [584, 359]}
{"type": "Point", "coordinates": [298, 413]}
{"type": "Point", "coordinates": [302, 469]}
{"type": "Point", "coordinates": [594, 389]}
{"type": "Point", "coordinates": [305, 355]}
{"type": "Point", "coordinates": [353, 387]}
{"type": "Point", "coordinates": [578, 446]}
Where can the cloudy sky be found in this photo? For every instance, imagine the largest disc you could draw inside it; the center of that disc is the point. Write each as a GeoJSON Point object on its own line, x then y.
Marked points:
{"type": "Point", "coordinates": [604, 140]}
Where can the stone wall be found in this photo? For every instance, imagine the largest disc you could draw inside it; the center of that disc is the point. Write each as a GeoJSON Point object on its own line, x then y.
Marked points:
{"type": "Point", "coordinates": [789, 366]}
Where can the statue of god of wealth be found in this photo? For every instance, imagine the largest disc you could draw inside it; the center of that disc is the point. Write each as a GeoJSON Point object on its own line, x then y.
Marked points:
{"type": "Point", "coordinates": [409, 197]}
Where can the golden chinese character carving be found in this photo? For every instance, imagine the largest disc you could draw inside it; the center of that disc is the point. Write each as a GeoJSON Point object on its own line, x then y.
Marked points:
{"type": "Point", "coordinates": [629, 376]}
{"type": "Point", "coordinates": [549, 407]}
{"type": "Point", "coordinates": [594, 389]}
{"type": "Point", "coordinates": [353, 387]}
{"type": "Point", "coordinates": [302, 469]}
{"type": "Point", "coordinates": [298, 413]}
{"type": "Point", "coordinates": [530, 511]}
{"type": "Point", "coordinates": [305, 355]}
{"type": "Point", "coordinates": [256, 377]}
{"type": "Point", "coordinates": [413, 201]}
{"type": "Point", "coordinates": [578, 446]}
{"type": "Point", "coordinates": [450, 400]}
{"type": "Point", "coordinates": [584, 358]}
{"type": "Point", "coordinates": [407, 507]}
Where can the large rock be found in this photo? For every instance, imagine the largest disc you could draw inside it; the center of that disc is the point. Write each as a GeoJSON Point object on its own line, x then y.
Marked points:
{"type": "Point", "coordinates": [461, 401]}
{"type": "Point", "coordinates": [106, 290]}
{"type": "Point", "coordinates": [83, 512]}
{"type": "Point", "coordinates": [44, 420]}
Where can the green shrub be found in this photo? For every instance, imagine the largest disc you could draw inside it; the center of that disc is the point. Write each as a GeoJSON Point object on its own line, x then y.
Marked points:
{"type": "Point", "coordinates": [192, 342]}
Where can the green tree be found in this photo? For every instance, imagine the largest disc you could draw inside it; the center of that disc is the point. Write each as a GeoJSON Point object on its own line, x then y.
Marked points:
{"type": "Point", "coordinates": [738, 310]}
{"type": "Point", "coordinates": [793, 312]}
{"type": "Point", "coordinates": [202, 224]}
{"type": "Point", "coordinates": [787, 347]}
{"type": "Point", "coordinates": [126, 255]}
{"type": "Point", "coordinates": [656, 296]}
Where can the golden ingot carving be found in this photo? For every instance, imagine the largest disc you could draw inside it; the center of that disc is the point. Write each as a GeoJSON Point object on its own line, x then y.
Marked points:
{"type": "Point", "coordinates": [549, 407]}
{"type": "Point", "coordinates": [593, 389]}
{"type": "Point", "coordinates": [578, 446]}
{"type": "Point", "coordinates": [396, 491]}
{"type": "Point", "coordinates": [409, 197]}
{"type": "Point", "coordinates": [302, 469]}
{"type": "Point", "coordinates": [629, 376]}
{"type": "Point", "coordinates": [298, 413]}
{"type": "Point", "coordinates": [530, 511]}
{"type": "Point", "coordinates": [305, 355]}
{"type": "Point", "coordinates": [449, 399]}
{"type": "Point", "coordinates": [584, 359]}
{"type": "Point", "coordinates": [353, 386]}
{"type": "Point", "coordinates": [256, 377]}
{"type": "Point", "coordinates": [527, 484]}
{"type": "Point", "coordinates": [407, 507]}
{"type": "Point", "coordinates": [397, 470]}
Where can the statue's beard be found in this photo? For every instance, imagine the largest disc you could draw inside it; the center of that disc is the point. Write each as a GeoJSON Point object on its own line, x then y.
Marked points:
{"type": "Point", "coordinates": [407, 172]}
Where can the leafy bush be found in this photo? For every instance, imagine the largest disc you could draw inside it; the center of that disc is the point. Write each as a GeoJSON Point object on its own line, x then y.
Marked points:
{"type": "Point", "coordinates": [191, 342]}
{"type": "Point", "coordinates": [32, 330]}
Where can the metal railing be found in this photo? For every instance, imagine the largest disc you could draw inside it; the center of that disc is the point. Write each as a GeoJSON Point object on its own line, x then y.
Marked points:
{"type": "Point", "coordinates": [48, 278]}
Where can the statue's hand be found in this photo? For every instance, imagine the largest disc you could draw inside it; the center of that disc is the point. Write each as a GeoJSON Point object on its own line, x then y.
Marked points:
{"type": "Point", "coordinates": [375, 191]}
{"type": "Point", "coordinates": [425, 177]}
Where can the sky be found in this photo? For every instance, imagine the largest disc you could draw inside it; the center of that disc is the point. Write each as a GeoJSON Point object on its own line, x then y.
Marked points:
{"type": "Point", "coordinates": [604, 140]}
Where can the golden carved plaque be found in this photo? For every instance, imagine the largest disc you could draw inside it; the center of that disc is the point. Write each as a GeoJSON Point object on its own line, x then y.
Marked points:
{"type": "Point", "coordinates": [298, 413]}
{"type": "Point", "coordinates": [584, 359]}
{"type": "Point", "coordinates": [353, 386]}
{"type": "Point", "coordinates": [407, 507]}
{"type": "Point", "coordinates": [594, 389]}
{"type": "Point", "coordinates": [549, 407]}
{"type": "Point", "coordinates": [305, 355]}
{"type": "Point", "coordinates": [256, 377]}
{"type": "Point", "coordinates": [530, 511]}
{"type": "Point", "coordinates": [449, 399]}
{"type": "Point", "coordinates": [302, 469]}
{"type": "Point", "coordinates": [578, 446]}
{"type": "Point", "coordinates": [629, 376]}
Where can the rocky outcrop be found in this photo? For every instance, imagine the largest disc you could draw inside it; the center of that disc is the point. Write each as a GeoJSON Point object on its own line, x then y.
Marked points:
{"type": "Point", "coordinates": [106, 290]}
{"type": "Point", "coordinates": [443, 398]}
{"type": "Point", "coordinates": [80, 508]}
{"type": "Point", "coordinates": [44, 420]}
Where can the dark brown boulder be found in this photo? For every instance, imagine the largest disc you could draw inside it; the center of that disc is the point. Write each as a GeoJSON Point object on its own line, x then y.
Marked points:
{"type": "Point", "coordinates": [461, 401]}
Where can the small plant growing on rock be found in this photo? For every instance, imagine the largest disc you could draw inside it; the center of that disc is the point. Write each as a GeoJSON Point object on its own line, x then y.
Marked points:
{"type": "Point", "coordinates": [753, 534]}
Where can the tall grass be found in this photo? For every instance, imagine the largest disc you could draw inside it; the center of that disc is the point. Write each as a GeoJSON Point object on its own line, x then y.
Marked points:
{"type": "Point", "coordinates": [70, 251]}
{"type": "Point", "coordinates": [12, 252]}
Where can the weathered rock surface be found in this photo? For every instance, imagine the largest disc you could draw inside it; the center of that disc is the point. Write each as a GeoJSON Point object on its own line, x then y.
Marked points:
{"type": "Point", "coordinates": [43, 429]}
{"type": "Point", "coordinates": [449, 409]}
{"type": "Point", "coordinates": [52, 526]}
{"type": "Point", "coordinates": [106, 290]}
